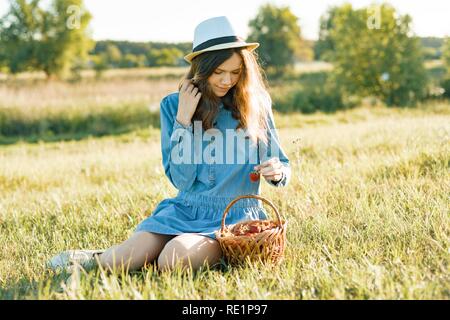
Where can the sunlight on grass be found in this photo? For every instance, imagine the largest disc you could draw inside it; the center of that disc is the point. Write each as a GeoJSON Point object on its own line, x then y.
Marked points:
{"type": "Point", "coordinates": [367, 208]}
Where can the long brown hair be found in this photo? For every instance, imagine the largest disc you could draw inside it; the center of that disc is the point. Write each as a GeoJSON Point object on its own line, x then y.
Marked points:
{"type": "Point", "coordinates": [248, 100]}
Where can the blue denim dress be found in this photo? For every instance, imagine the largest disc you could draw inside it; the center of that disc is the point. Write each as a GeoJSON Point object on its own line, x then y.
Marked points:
{"type": "Point", "coordinates": [206, 183]}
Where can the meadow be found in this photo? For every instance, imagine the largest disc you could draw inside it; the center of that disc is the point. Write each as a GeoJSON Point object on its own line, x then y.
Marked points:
{"type": "Point", "coordinates": [368, 203]}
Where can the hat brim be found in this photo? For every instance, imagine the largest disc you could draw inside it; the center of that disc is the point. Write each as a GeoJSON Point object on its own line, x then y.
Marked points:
{"type": "Point", "coordinates": [251, 46]}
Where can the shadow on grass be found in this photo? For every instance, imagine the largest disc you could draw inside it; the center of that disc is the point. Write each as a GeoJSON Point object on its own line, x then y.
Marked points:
{"type": "Point", "coordinates": [52, 283]}
{"type": "Point", "coordinates": [29, 289]}
{"type": "Point", "coordinates": [77, 136]}
{"type": "Point", "coordinates": [16, 128]}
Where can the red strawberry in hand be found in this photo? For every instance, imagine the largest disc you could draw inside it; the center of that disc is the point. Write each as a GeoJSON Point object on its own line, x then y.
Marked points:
{"type": "Point", "coordinates": [254, 176]}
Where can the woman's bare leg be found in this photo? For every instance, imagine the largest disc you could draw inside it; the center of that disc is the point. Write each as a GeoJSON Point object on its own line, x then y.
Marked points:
{"type": "Point", "coordinates": [189, 249]}
{"type": "Point", "coordinates": [132, 254]}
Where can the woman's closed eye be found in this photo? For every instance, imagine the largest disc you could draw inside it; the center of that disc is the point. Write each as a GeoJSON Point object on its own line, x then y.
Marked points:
{"type": "Point", "coordinates": [218, 72]}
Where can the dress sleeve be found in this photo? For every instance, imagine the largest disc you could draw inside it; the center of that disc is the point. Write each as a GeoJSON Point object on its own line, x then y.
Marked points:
{"type": "Point", "coordinates": [274, 149]}
{"type": "Point", "coordinates": [180, 169]}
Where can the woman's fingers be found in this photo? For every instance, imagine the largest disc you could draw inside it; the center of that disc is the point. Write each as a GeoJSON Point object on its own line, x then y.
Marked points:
{"type": "Point", "coordinates": [271, 163]}
{"type": "Point", "coordinates": [187, 85]}
{"type": "Point", "coordinates": [274, 177]}
{"type": "Point", "coordinates": [188, 101]}
{"type": "Point", "coordinates": [270, 168]}
{"type": "Point", "coordinates": [272, 172]}
{"type": "Point", "coordinates": [192, 89]}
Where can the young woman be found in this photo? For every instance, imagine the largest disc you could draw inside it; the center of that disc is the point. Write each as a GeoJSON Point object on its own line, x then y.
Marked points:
{"type": "Point", "coordinates": [222, 98]}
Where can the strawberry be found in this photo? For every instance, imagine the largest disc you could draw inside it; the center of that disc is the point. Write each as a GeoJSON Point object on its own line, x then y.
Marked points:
{"type": "Point", "coordinates": [254, 229]}
{"type": "Point", "coordinates": [254, 176]}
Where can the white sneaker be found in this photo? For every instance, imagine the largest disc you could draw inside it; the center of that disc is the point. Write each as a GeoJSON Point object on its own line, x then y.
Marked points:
{"type": "Point", "coordinates": [68, 259]}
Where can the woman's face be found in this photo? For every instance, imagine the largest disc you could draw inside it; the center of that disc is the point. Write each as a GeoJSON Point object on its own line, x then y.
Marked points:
{"type": "Point", "coordinates": [226, 75]}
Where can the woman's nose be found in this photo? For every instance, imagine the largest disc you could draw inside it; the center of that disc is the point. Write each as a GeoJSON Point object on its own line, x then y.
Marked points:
{"type": "Point", "coordinates": [226, 79]}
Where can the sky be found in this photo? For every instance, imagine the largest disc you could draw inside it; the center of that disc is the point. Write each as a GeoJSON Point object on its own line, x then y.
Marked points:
{"type": "Point", "coordinates": [175, 20]}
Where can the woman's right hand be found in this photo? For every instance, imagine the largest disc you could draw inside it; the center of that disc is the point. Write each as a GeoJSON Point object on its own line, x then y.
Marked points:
{"type": "Point", "coordinates": [188, 100]}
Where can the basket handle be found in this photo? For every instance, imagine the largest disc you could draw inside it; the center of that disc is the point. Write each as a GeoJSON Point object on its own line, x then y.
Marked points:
{"type": "Point", "coordinates": [222, 229]}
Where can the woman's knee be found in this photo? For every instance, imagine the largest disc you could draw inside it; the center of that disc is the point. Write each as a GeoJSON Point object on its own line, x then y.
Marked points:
{"type": "Point", "coordinates": [135, 252]}
{"type": "Point", "coordinates": [189, 250]}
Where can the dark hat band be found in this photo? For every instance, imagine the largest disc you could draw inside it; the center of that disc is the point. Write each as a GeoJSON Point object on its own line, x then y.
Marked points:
{"type": "Point", "coordinates": [217, 41]}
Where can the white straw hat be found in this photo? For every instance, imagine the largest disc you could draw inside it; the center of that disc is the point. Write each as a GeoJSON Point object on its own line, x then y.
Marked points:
{"type": "Point", "coordinates": [215, 34]}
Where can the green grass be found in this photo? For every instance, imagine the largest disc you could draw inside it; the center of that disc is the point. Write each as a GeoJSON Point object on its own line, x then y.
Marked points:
{"type": "Point", "coordinates": [368, 212]}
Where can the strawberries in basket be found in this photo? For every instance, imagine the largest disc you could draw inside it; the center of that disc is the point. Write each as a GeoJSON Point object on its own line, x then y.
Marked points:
{"type": "Point", "coordinates": [252, 227]}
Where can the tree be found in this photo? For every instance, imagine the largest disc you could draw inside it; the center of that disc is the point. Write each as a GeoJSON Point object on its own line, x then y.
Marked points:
{"type": "Point", "coordinates": [446, 55]}
{"type": "Point", "coordinates": [164, 57]}
{"type": "Point", "coordinates": [54, 41]}
{"type": "Point", "coordinates": [99, 64]}
{"type": "Point", "coordinates": [324, 45]}
{"type": "Point", "coordinates": [65, 42]}
{"type": "Point", "coordinates": [279, 35]}
{"type": "Point", "coordinates": [375, 54]}
{"type": "Point", "coordinates": [20, 31]}
{"type": "Point", "coordinates": [113, 55]}
{"type": "Point", "coordinates": [445, 83]}
{"type": "Point", "coordinates": [133, 61]}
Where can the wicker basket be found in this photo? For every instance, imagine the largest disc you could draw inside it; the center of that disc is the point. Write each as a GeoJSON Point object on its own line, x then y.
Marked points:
{"type": "Point", "coordinates": [266, 246]}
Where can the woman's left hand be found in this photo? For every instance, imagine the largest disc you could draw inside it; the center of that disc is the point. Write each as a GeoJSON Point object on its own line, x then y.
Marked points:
{"type": "Point", "coordinates": [271, 169]}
